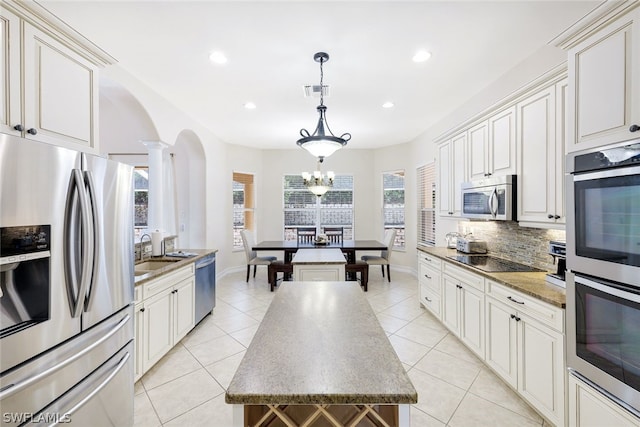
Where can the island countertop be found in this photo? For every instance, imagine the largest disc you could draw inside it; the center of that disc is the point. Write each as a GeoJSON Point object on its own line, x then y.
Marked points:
{"type": "Point", "coordinates": [320, 343]}
{"type": "Point", "coordinates": [319, 256]}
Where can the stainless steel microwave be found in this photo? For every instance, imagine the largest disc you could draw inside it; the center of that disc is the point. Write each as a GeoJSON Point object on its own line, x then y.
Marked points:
{"type": "Point", "coordinates": [490, 198]}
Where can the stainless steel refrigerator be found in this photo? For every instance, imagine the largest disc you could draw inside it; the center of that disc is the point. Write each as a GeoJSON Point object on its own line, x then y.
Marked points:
{"type": "Point", "coordinates": [66, 287]}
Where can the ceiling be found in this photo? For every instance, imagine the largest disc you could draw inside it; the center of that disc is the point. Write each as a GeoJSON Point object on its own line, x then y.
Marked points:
{"type": "Point", "coordinates": [270, 47]}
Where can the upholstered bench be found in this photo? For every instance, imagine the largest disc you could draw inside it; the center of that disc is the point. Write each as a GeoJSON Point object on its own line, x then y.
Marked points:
{"type": "Point", "coordinates": [278, 267]}
{"type": "Point", "coordinates": [362, 268]}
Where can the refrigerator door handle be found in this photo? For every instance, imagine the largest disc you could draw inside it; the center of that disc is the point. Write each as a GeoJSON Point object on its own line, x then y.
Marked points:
{"type": "Point", "coordinates": [76, 194]}
{"type": "Point", "coordinates": [95, 254]}
{"type": "Point", "coordinates": [14, 388]}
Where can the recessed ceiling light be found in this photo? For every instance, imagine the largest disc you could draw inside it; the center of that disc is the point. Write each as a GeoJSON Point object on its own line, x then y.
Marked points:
{"type": "Point", "coordinates": [388, 104]}
{"type": "Point", "coordinates": [421, 56]}
{"type": "Point", "coordinates": [250, 106]}
{"type": "Point", "coordinates": [217, 57]}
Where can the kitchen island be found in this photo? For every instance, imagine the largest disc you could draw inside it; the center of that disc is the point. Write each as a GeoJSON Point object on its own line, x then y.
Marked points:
{"type": "Point", "coordinates": [320, 353]}
{"type": "Point", "coordinates": [318, 265]}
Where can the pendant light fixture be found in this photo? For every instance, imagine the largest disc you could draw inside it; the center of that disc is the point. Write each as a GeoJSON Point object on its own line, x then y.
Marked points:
{"type": "Point", "coordinates": [319, 144]}
{"type": "Point", "coordinates": [317, 182]}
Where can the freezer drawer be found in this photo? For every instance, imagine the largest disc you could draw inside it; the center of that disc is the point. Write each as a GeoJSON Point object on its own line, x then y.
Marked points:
{"type": "Point", "coordinates": [35, 385]}
{"type": "Point", "coordinates": [103, 399]}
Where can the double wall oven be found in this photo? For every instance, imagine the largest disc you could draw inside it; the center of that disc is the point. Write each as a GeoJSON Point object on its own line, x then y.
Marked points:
{"type": "Point", "coordinates": [603, 262]}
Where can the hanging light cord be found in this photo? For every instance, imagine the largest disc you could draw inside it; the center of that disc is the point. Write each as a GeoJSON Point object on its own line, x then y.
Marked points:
{"type": "Point", "coordinates": [321, 82]}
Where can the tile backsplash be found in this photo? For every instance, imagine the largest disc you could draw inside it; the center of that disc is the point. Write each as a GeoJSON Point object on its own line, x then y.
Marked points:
{"type": "Point", "coordinates": [506, 239]}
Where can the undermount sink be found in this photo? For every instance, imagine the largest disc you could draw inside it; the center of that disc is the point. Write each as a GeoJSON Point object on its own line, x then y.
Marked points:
{"type": "Point", "coordinates": [147, 266]}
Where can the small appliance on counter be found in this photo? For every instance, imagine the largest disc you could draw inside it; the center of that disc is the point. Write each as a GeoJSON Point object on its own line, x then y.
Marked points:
{"type": "Point", "coordinates": [452, 240]}
{"type": "Point", "coordinates": [471, 245]}
{"type": "Point", "coordinates": [558, 250]}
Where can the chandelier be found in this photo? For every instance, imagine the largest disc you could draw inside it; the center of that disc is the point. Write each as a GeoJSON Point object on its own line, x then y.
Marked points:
{"type": "Point", "coordinates": [319, 144]}
{"type": "Point", "coordinates": [317, 182]}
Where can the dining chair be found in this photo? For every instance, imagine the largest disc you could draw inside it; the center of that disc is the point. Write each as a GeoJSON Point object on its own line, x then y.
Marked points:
{"type": "Point", "coordinates": [334, 234]}
{"type": "Point", "coordinates": [252, 256]}
{"type": "Point", "coordinates": [385, 255]}
{"type": "Point", "coordinates": [306, 234]}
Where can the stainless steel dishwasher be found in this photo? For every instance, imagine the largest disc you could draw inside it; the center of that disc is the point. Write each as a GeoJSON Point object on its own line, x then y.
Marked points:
{"type": "Point", "coordinates": [205, 286]}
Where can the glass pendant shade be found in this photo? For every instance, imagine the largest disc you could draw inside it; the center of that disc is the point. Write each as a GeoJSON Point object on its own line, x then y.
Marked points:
{"type": "Point", "coordinates": [321, 144]}
{"type": "Point", "coordinates": [317, 182]}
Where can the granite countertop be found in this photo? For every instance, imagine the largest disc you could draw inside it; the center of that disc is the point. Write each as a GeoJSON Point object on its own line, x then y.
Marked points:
{"type": "Point", "coordinates": [173, 263]}
{"type": "Point", "coordinates": [320, 343]}
{"type": "Point", "coordinates": [530, 283]}
{"type": "Point", "coordinates": [319, 256]}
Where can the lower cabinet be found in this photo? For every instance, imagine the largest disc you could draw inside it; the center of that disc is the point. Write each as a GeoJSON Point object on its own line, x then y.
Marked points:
{"type": "Point", "coordinates": [164, 316]}
{"type": "Point", "coordinates": [518, 336]}
{"type": "Point", "coordinates": [463, 306]}
{"type": "Point", "coordinates": [527, 353]}
{"type": "Point", "coordinates": [590, 408]}
{"type": "Point", "coordinates": [429, 273]}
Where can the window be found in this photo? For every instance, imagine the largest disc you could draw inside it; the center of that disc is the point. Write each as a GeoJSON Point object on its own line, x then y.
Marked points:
{"type": "Point", "coordinates": [393, 205]}
{"type": "Point", "coordinates": [426, 188]}
{"type": "Point", "coordinates": [303, 209]}
{"type": "Point", "coordinates": [141, 198]}
{"type": "Point", "coordinates": [243, 206]}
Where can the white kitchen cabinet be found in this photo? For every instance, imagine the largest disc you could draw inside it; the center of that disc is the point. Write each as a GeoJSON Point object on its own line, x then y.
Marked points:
{"type": "Point", "coordinates": [604, 84]}
{"type": "Point", "coordinates": [463, 306]}
{"type": "Point", "coordinates": [590, 408]}
{"type": "Point", "coordinates": [492, 145]}
{"type": "Point", "coordinates": [478, 150]}
{"type": "Point", "coordinates": [429, 274]}
{"type": "Point", "coordinates": [165, 315]}
{"type": "Point", "coordinates": [525, 346]}
{"type": "Point", "coordinates": [51, 84]}
{"type": "Point", "coordinates": [452, 162]}
{"type": "Point", "coordinates": [540, 145]}
{"type": "Point", "coordinates": [501, 156]}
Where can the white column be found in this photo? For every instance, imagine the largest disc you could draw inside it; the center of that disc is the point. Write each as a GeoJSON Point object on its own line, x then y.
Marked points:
{"type": "Point", "coordinates": [155, 220]}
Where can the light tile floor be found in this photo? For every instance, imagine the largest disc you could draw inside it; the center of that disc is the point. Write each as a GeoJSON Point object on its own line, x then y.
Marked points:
{"type": "Point", "coordinates": [186, 388]}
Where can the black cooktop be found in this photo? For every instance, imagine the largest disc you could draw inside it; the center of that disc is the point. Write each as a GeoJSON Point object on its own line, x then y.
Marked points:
{"type": "Point", "coordinates": [492, 264]}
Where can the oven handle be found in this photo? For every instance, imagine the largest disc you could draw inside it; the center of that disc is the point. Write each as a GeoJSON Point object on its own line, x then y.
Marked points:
{"type": "Point", "coordinates": [608, 288]}
{"type": "Point", "coordinates": [607, 173]}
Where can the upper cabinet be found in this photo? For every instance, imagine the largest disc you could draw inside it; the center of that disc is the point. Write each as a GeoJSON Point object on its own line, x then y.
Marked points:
{"type": "Point", "coordinates": [492, 145]}
{"type": "Point", "coordinates": [604, 81]}
{"type": "Point", "coordinates": [540, 145]}
{"type": "Point", "coordinates": [452, 162]}
{"type": "Point", "coordinates": [50, 75]}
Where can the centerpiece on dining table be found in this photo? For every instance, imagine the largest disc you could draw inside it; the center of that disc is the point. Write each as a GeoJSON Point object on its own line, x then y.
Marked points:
{"type": "Point", "coordinates": [321, 240]}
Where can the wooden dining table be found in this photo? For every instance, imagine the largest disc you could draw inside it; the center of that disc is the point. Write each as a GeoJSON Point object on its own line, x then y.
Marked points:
{"type": "Point", "coordinates": [348, 247]}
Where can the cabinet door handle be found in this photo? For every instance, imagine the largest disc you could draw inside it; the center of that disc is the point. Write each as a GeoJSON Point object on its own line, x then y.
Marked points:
{"type": "Point", "coordinates": [427, 298]}
{"type": "Point", "coordinates": [427, 259]}
{"type": "Point", "coordinates": [513, 316]}
{"type": "Point", "coordinates": [550, 216]}
{"type": "Point", "coordinates": [19, 127]}
{"type": "Point", "coordinates": [557, 217]}
{"type": "Point", "coordinates": [515, 300]}
{"type": "Point", "coordinates": [32, 131]}
{"type": "Point", "coordinates": [517, 318]}
{"type": "Point", "coordinates": [458, 286]}
{"type": "Point", "coordinates": [142, 310]}
{"type": "Point", "coordinates": [427, 276]}
{"type": "Point", "coordinates": [634, 128]}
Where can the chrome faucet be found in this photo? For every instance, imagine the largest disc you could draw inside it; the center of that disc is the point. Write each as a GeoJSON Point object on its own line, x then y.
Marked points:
{"type": "Point", "coordinates": [142, 246]}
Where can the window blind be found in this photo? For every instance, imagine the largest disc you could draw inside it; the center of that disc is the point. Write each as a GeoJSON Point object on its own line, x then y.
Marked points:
{"type": "Point", "coordinates": [426, 190]}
